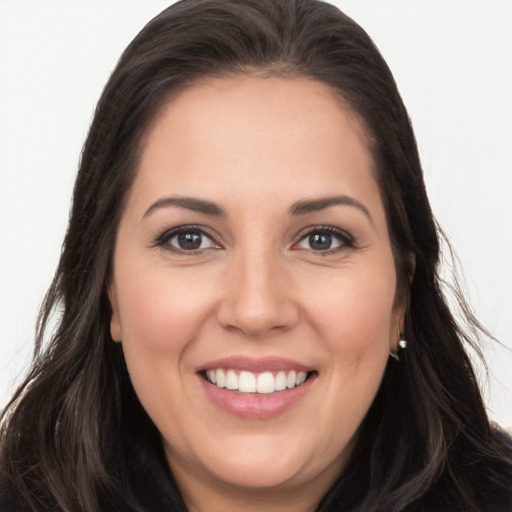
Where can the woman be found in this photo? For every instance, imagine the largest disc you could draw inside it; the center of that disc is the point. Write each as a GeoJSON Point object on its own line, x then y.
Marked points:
{"type": "Point", "coordinates": [251, 311]}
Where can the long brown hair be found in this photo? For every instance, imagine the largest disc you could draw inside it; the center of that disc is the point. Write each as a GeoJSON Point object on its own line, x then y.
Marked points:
{"type": "Point", "coordinates": [74, 437]}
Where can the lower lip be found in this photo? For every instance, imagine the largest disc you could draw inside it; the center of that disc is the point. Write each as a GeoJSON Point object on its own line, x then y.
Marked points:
{"type": "Point", "coordinates": [257, 406]}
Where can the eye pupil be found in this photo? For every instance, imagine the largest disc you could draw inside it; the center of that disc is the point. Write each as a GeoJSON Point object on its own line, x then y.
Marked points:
{"type": "Point", "coordinates": [320, 241]}
{"type": "Point", "coordinates": [189, 241]}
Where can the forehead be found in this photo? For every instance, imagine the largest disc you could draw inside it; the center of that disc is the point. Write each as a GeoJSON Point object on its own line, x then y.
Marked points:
{"type": "Point", "coordinates": [263, 136]}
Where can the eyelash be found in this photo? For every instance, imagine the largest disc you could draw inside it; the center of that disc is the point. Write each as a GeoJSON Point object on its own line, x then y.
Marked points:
{"type": "Point", "coordinates": [167, 236]}
{"type": "Point", "coordinates": [345, 239]}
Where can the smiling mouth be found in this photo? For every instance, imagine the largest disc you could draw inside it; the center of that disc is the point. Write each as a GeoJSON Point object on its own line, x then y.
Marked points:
{"type": "Point", "coordinates": [256, 383]}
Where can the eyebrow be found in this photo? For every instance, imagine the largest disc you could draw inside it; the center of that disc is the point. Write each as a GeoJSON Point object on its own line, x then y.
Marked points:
{"type": "Point", "coordinates": [315, 205]}
{"type": "Point", "coordinates": [299, 208]}
{"type": "Point", "coordinates": [190, 203]}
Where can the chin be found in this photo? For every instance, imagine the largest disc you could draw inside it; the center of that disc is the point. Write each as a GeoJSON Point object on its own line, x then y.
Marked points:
{"type": "Point", "coordinates": [259, 474]}
{"type": "Point", "coordinates": [269, 462]}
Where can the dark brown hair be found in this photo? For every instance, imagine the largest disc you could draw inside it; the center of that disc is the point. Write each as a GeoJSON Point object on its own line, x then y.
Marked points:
{"type": "Point", "coordinates": [75, 437]}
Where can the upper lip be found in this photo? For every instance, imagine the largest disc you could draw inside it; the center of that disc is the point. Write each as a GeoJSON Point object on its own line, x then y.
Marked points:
{"type": "Point", "coordinates": [255, 365]}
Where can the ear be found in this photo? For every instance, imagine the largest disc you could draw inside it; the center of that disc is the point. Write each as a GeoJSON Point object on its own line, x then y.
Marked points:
{"type": "Point", "coordinates": [115, 321]}
{"type": "Point", "coordinates": [411, 266]}
{"type": "Point", "coordinates": [396, 328]}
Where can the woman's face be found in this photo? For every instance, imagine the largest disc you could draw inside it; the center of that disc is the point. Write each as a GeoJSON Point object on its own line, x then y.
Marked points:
{"type": "Point", "coordinates": [253, 253]}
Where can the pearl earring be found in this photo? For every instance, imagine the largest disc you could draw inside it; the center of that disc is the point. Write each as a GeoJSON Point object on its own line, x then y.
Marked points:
{"type": "Point", "coordinates": [402, 345]}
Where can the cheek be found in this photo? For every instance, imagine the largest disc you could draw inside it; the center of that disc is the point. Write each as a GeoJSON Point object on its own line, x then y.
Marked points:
{"type": "Point", "coordinates": [161, 318]}
{"type": "Point", "coordinates": [161, 311]}
{"type": "Point", "coordinates": [355, 309]}
{"type": "Point", "coordinates": [356, 318]}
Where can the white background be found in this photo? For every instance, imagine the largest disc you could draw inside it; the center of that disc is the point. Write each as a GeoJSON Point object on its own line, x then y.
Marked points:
{"type": "Point", "coordinates": [451, 59]}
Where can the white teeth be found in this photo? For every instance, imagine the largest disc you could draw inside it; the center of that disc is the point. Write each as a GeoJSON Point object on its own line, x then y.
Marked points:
{"type": "Point", "coordinates": [280, 381]}
{"type": "Point", "coordinates": [301, 378]}
{"type": "Point", "coordinates": [265, 383]}
{"type": "Point", "coordinates": [220, 378]}
{"type": "Point", "coordinates": [212, 376]}
{"type": "Point", "coordinates": [248, 382]}
{"type": "Point", "coordinates": [231, 380]}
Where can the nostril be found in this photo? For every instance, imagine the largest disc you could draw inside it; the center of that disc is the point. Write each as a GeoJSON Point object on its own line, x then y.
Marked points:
{"type": "Point", "coordinates": [255, 319]}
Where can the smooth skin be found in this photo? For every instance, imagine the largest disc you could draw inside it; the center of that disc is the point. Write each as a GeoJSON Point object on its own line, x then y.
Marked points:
{"type": "Point", "coordinates": [261, 280]}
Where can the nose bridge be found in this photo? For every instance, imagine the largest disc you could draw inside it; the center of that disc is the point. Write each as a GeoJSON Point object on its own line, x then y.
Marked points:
{"type": "Point", "coordinates": [259, 298]}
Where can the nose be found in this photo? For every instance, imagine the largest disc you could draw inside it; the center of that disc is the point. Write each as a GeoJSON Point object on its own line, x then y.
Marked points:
{"type": "Point", "coordinates": [258, 297]}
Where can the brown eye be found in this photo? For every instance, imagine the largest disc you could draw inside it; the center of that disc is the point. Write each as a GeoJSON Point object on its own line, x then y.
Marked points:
{"type": "Point", "coordinates": [325, 240]}
{"type": "Point", "coordinates": [186, 239]}
{"type": "Point", "coordinates": [320, 241]}
{"type": "Point", "coordinates": [189, 241]}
